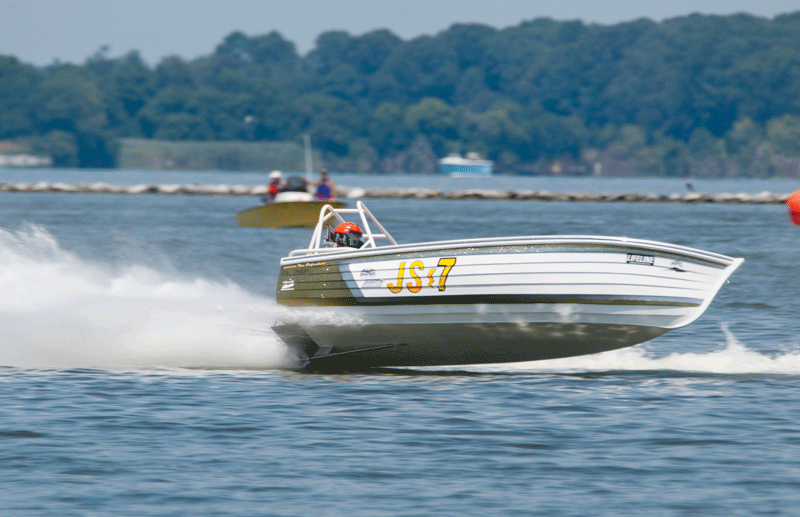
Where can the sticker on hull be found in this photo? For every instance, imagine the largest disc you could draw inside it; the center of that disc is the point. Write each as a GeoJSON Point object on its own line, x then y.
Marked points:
{"type": "Point", "coordinates": [648, 260]}
{"type": "Point", "coordinates": [422, 277]}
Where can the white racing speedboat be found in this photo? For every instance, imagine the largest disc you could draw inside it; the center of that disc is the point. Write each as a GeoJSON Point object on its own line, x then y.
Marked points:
{"type": "Point", "coordinates": [485, 300]}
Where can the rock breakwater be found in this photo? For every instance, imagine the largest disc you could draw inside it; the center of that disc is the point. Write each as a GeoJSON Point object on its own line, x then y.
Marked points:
{"type": "Point", "coordinates": [417, 193]}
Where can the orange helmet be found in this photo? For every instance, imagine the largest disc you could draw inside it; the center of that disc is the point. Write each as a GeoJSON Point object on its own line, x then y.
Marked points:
{"type": "Point", "coordinates": [348, 234]}
{"type": "Point", "coordinates": [346, 228]}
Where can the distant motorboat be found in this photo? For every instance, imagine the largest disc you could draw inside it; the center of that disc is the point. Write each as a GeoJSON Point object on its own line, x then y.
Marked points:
{"type": "Point", "coordinates": [471, 165]}
{"type": "Point", "coordinates": [294, 207]}
{"type": "Point", "coordinates": [288, 210]}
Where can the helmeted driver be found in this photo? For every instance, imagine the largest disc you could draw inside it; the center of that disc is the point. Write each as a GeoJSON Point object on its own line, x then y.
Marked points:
{"type": "Point", "coordinates": [348, 235]}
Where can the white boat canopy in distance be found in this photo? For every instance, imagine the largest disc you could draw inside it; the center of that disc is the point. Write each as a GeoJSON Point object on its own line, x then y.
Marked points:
{"type": "Point", "coordinates": [472, 165]}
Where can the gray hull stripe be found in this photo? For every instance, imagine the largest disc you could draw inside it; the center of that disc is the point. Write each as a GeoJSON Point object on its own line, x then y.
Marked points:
{"type": "Point", "coordinates": [477, 299]}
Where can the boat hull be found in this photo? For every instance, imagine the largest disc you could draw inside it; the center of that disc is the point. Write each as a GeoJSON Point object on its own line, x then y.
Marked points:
{"type": "Point", "coordinates": [488, 301]}
{"type": "Point", "coordinates": [290, 214]}
{"type": "Point", "coordinates": [467, 170]}
{"type": "Point", "coordinates": [437, 344]}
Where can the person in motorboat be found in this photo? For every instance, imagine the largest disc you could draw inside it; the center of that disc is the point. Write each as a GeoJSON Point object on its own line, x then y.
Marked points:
{"type": "Point", "coordinates": [275, 186]}
{"type": "Point", "coordinates": [346, 235]}
{"type": "Point", "coordinates": [324, 187]}
{"type": "Point", "coordinates": [279, 188]}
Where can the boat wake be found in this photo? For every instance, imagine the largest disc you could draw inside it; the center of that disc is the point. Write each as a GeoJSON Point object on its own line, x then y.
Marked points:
{"type": "Point", "coordinates": [60, 311]}
{"type": "Point", "coordinates": [732, 358]}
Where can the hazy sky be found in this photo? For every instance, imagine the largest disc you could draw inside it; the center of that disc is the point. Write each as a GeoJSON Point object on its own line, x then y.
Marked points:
{"type": "Point", "coordinates": [40, 31]}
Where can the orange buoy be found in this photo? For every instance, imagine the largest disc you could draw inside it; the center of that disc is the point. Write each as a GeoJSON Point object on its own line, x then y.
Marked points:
{"type": "Point", "coordinates": [793, 203]}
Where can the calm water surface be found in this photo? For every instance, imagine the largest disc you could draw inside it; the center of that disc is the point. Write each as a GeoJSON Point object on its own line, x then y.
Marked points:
{"type": "Point", "coordinates": [138, 374]}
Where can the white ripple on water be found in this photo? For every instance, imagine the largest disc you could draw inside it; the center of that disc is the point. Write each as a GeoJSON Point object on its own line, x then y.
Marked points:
{"type": "Point", "coordinates": [734, 358]}
{"type": "Point", "coordinates": [57, 311]}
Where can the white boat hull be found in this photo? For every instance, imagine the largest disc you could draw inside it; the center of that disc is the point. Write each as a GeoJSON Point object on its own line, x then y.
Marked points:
{"type": "Point", "coordinates": [493, 300]}
{"type": "Point", "coordinates": [472, 165]}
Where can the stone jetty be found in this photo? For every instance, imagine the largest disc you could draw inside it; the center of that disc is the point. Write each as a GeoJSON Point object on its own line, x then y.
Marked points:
{"type": "Point", "coordinates": [417, 193]}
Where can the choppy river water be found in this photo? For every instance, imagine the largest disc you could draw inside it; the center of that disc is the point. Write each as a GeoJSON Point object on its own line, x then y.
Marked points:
{"type": "Point", "coordinates": [138, 374]}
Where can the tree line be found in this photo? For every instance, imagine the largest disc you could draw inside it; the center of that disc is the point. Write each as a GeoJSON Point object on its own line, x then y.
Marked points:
{"type": "Point", "coordinates": [694, 95]}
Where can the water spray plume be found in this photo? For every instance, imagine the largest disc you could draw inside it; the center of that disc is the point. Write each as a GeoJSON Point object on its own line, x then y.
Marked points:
{"type": "Point", "coordinates": [60, 311]}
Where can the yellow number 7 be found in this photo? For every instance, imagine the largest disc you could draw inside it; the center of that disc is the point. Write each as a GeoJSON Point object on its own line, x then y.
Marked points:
{"type": "Point", "coordinates": [447, 264]}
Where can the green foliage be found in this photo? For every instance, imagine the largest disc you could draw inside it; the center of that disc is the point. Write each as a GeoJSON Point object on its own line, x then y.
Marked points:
{"type": "Point", "coordinates": [384, 129]}
{"type": "Point", "coordinates": [16, 111]}
{"type": "Point", "coordinates": [331, 122]}
{"type": "Point", "coordinates": [141, 153]}
{"type": "Point", "coordinates": [62, 146]}
{"type": "Point", "coordinates": [435, 119]}
{"type": "Point", "coordinates": [703, 144]}
{"type": "Point", "coordinates": [663, 95]}
{"type": "Point", "coordinates": [744, 137]}
{"type": "Point", "coordinates": [70, 101]}
{"type": "Point", "coordinates": [784, 135]}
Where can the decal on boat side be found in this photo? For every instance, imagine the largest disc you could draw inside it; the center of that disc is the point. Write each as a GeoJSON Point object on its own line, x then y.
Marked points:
{"type": "Point", "coordinates": [288, 285]}
{"type": "Point", "coordinates": [415, 285]}
{"type": "Point", "coordinates": [641, 259]}
{"type": "Point", "coordinates": [310, 264]}
{"type": "Point", "coordinates": [370, 278]}
{"type": "Point", "coordinates": [677, 265]}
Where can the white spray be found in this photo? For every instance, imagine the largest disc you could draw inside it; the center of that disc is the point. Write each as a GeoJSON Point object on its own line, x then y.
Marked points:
{"type": "Point", "coordinates": [57, 310]}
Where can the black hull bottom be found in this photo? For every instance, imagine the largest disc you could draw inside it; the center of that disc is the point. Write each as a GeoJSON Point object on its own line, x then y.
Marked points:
{"type": "Point", "coordinates": [360, 348]}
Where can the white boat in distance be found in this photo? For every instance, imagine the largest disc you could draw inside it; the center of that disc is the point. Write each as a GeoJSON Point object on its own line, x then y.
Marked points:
{"type": "Point", "coordinates": [472, 165]}
{"type": "Point", "coordinates": [487, 300]}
